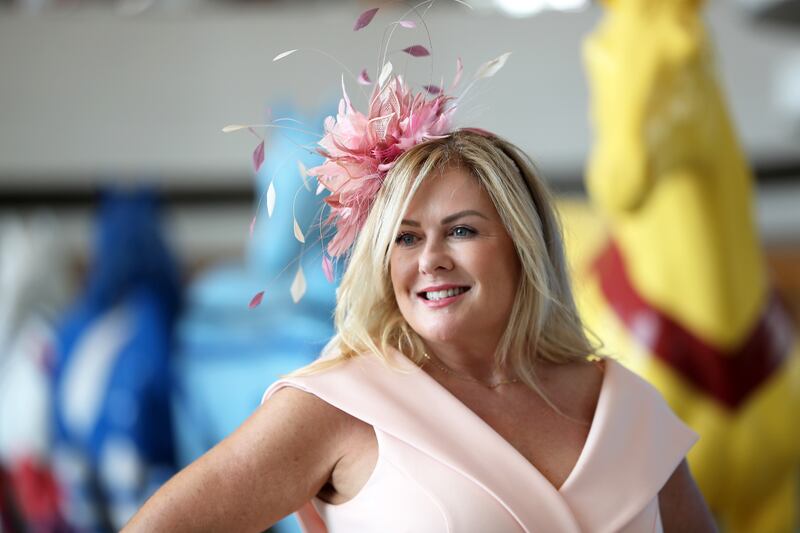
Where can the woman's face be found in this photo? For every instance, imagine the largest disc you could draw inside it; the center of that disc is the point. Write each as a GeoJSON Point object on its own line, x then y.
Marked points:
{"type": "Point", "coordinates": [454, 268]}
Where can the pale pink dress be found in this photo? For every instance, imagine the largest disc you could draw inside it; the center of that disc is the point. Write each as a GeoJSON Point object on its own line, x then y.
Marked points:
{"type": "Point", "coordinates": [441, 468]}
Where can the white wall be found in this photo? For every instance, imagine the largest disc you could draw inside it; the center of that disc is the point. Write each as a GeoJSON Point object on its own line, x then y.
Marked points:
{"type": "Point", "coordinates": [86, 94]}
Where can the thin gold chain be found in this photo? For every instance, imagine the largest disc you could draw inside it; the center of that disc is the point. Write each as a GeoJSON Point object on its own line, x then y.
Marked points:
{"type": "Point", "coordinates": [447, 370]}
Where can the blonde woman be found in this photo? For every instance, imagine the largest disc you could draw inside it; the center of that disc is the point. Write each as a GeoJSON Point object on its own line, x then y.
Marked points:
{"type": "Point", "coordinates": [459, 393]}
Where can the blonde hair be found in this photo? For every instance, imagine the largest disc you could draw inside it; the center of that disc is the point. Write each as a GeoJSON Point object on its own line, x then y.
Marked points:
{"type": "Point", "coordinates": [544, 321]}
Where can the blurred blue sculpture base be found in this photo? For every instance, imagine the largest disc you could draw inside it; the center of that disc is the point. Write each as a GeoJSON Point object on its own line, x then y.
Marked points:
{"type": "Point", "coordinates": [228, 353]}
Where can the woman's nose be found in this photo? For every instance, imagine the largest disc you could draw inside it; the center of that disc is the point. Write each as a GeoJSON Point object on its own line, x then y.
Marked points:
{"type": "Point", "coordinates": [434, 257]}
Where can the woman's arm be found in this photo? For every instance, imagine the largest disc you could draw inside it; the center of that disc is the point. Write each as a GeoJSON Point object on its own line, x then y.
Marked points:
{"type": "Point", "coordinates": [276, 461]}
{"type": "Point", "coordinates": [682, 507]}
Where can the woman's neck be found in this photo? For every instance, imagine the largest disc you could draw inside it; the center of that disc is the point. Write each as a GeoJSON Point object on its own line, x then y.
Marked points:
{"type": "Point", "coordinates": [477, 362]}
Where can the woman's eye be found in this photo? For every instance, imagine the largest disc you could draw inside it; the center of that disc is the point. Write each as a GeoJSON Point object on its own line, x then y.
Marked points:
{"type": "Point", "coordinates": [405, 239]}
{"type": "Point", "coordinates": [462, 231]}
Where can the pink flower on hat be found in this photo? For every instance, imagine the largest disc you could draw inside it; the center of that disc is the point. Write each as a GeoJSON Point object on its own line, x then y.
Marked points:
{"type": "Point", "coordinates": [361, 149]}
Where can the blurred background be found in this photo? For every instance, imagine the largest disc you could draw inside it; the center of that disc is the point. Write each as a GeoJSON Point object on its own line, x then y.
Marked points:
{"type": "Point", "coordinates": [129, 251]}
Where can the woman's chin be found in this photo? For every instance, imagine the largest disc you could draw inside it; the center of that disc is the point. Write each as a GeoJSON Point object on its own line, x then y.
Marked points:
{"type": "Point", "coordinates": [444, 333]}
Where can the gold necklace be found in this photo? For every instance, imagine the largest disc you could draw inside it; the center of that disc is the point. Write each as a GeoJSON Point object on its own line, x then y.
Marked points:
{"type": "Point", "coordinates": [447, 370]}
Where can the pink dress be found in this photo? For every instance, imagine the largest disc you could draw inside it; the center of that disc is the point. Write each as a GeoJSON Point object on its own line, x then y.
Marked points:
{"type": "Point", "coordinates": [442, 468]}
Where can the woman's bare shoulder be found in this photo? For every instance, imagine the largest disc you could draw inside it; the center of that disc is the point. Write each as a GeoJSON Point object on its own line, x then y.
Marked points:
{"type": "Point", "coordinates": [293, 406]}
{"type": "Point", "coordinates": [276, 461]}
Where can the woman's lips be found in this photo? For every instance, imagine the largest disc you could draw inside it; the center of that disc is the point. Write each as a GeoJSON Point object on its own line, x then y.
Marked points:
{"type": "Point", "coordinates": [442, 302]}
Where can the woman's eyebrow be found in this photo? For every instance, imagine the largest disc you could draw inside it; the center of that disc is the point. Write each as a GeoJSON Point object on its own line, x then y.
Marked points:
{"type": "Point", "coordinates": [448, 219]}
{"type": "Point", "coordinates": [467, 212]}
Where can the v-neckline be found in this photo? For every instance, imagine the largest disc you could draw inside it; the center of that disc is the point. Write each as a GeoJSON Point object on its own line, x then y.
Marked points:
{"type": "Point", "coordinates": [634, 439]}
{"type": "Point", "coordinates": [585, 450]}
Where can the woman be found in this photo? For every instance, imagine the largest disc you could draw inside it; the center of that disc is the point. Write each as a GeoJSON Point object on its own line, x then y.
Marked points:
{"type": "Point", "coordinates": [458, 394]}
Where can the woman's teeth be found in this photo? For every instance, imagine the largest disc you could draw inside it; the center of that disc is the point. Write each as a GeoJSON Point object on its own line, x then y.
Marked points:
{"type": "Point", "coordinates": [447, 293]}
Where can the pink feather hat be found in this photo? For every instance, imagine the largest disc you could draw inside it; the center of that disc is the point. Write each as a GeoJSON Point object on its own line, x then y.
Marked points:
{"type": "Point", "coordinates": [361, 149]}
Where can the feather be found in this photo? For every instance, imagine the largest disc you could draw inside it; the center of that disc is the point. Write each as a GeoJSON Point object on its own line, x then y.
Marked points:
{"type": "Point", "coordinates": [459, 71]}
{"type": "Point", "coordinates": [233, 127]}
{"type": "Point", "coordinates": [283, 54]}
{"type": "Point", "coordinates": [301, 168]}
{"type": "Point", "coordinates": [417, 51]}
{"type": "Point", "coordinates": [258, 156]}
{"type": "Point", "coordinates": [270, 198]}
{"type": "Point", "coordinates": [298, 288]}
{"type": "Point", "coordinates": [365, 18]}
{"type": "Point", "coordinates": [490, 68]}
{"type": "Point", "coordinates": [327, 268]}
{"type": "Point", "coordinates": [345, 97]}
{"type": "Point", "coordinates": [256, 300]}
{"type": "Point", "coordinates": [298, 233]}
{"type": "Point", "coordinates": [386, 71]}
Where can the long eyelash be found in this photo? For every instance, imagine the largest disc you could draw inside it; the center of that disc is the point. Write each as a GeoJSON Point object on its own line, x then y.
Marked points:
{"type": "Point", "coordinates": [471, 231]}
{"type": "Point", "coordinates": [399, 238]}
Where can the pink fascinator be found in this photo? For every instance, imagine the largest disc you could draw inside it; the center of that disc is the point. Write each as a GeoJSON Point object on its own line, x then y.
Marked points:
{"type": "Point", "coordinates": [360, 149]}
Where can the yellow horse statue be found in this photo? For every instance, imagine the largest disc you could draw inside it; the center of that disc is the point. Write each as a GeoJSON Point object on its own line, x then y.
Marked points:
{"type": "Point", "coordinates": [678, 289]}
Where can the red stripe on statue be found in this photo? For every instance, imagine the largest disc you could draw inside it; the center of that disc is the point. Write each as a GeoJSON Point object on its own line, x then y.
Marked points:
{"type": "Point", "coordinates": [729, 376]}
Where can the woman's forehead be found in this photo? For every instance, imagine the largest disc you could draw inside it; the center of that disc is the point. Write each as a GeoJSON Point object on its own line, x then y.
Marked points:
{"type": "Point", "coordinates": [453, 188]}
{"type": "Point", "coordinates": [452, 182]}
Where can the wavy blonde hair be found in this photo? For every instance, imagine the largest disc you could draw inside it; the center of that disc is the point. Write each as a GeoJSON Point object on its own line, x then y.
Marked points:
{"type": "Point", "coordinates": [544, 321]}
